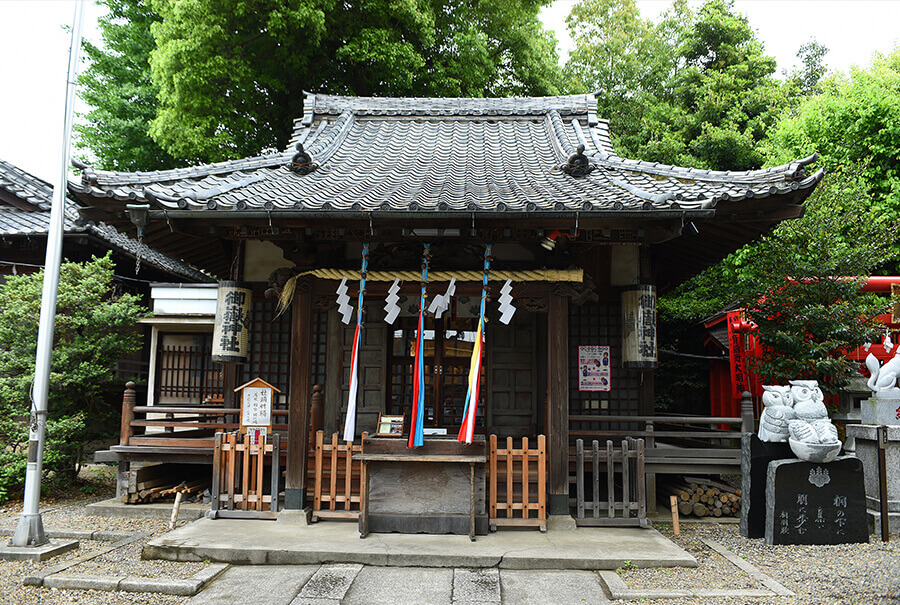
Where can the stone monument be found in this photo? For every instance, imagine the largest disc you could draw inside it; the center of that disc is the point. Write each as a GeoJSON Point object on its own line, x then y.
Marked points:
{"type": "Point", "coordinates": [816, 503]}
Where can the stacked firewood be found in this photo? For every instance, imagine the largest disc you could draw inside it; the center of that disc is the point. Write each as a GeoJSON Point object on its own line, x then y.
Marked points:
{"type": "Point", "coordinates": [161, 481]}
{"type": "Point", "coordinates": [701, 497]}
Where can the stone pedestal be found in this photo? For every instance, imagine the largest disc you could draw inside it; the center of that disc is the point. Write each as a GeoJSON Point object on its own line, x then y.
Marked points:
{"type": "Point", "coordinates": [816, 503]}
{"type": "Point", "coordinates": [883, 408]}
{"type": "Point", "coordinates": [867, 452]}
{"type": "Point", "coordinates": [755, 458]}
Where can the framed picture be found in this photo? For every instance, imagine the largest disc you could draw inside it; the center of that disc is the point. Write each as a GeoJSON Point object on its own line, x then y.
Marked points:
{"type": "Point", "coordinates": [390, 426]}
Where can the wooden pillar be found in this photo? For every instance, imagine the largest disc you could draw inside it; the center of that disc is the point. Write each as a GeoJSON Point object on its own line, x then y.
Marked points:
{"type": "Point", "coordinates": [298, 401]}
{"type": "Point", "coordinates": [558, 403]}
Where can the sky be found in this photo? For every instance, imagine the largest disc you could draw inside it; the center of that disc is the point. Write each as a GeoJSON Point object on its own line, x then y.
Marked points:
{"type": "Point", "coordinates": [34, 48]}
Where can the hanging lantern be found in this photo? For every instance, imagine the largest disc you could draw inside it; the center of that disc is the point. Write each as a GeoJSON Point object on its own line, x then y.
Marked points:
{"type": "Point", "coordinates": [639, 327]}
{"type": "Point", "coordinates": [231, 336]}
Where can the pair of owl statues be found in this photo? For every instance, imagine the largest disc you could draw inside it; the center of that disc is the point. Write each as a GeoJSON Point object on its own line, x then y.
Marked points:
{"type": "Point", "coordinates": [796, 412]}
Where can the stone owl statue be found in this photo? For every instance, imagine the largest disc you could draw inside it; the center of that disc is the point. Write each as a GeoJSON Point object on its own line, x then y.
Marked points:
{"type": "Point", "coordinates": [812, 436]}
{"type": "Point", "coordinates": [777, 413]}
{"type": "Point", "coordinates": [809, 402]}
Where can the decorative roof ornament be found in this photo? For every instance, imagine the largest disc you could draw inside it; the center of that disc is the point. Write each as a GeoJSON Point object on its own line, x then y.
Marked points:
{"type": "Point", "coordinates": [301, 163]}
{"type": "Point", "coordinates": [578, 165]}
{"type": "Point", "coordinates": [88, 176]}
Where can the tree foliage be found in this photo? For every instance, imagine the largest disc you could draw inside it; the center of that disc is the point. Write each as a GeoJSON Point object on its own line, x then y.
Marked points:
{"type": "Point", "coordinates": [700, 90]}
{"type": "Point", "coordinates": [94, 328]}
{"type": "Point", "coordinates": [855, 120]}
{"type": "Point", "coordinates": [118, 88]}
{"type": "Point", "coordinates": [801, 284]}
{"type": "Point", "coordinates": [232, 73]}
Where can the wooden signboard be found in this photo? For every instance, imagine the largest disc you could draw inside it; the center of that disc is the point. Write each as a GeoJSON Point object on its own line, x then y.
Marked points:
{"type": "Point", "coordinates": [256, 407]}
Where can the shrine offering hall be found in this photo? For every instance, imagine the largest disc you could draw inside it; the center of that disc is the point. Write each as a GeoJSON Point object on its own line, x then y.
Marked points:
{"type": "Point", "coordinates": [431, 272]}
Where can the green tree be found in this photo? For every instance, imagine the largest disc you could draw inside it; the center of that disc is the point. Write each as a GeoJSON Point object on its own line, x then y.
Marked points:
{"type": "Point", "coordinates": [855, 120]}
{"type": "Point", "coordinates": [620, 57]}
{"type": "Point", "coordinates": [703, 92]}
{"type": "Point", "coordinates": [94, 328]}
{"type": "Point", "coordinates": [801, 284]}
{"type": "Point", "coordinates": [118, 88]}
{"type": "Point", "coordinates": [231, 74]}
{"type": "Point", "coordinates": [807, 78]}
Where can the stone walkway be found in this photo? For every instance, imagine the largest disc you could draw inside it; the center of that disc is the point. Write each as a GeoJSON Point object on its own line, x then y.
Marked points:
{"type": "Point", "coordinates": [354, 584]}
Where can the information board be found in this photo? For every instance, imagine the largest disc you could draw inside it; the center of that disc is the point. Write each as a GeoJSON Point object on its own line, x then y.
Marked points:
{"type": "Point", "coordinates": [256, 407]}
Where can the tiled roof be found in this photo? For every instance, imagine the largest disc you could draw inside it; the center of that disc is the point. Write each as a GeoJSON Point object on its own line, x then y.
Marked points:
{"type": "Point", "coordinates": [38, 194]}
{"type": "Point", "coordinates": [402, 155]}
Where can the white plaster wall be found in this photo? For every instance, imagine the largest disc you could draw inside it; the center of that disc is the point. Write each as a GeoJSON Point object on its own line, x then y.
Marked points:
{"type": "Point", "coordinates": [625, 268]}
{"type": "Point", "coordinates": [261, 258]}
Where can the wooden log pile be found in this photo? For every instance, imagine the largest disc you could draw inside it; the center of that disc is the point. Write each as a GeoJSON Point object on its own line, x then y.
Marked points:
{"type": "Point", "coordinates": [162, 481]}
{"type": "Point", "coordinates": [701, 497]}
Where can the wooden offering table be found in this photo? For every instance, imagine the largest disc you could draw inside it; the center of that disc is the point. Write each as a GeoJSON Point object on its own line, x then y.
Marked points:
{"type": "Point", "coordinates": [437, 488]}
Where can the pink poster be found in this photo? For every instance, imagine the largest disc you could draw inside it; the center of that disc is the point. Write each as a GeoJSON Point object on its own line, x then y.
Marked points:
{"type": "Point", "coordinates": [593, 368]}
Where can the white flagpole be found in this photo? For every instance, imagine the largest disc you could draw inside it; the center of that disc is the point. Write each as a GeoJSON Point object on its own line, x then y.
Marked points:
{"type": "Point", "coordinates": [30, 530]}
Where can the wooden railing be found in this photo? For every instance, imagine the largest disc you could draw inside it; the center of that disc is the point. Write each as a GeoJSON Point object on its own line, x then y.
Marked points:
{"type": "Point", "coordinates": [624, 502]}
{"type": "Point", "coordinates": [182, 426]}
{"type": "Point", "coordinates": [517, 483]}
{"type": "Point", "coordinates": [238, 482]}
{"type": "Point", "coordinates": [337, 478]}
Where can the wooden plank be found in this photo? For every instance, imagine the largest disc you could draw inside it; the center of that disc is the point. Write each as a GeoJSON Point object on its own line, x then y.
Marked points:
{"type": "Point", "coordinates": [276, 471]}
{"type": "Point", "coordinates": [332, 485]}
{"type": "Point", "coordinates": [579, 479]}
{"type": "Point", "coordinates": [300, 388]}
{"type": "Point", "coordinates": [217, 469]}
{"type": "Point", "coordinates": [260, 470]}
{"type": "Point", "coordinates": [509, 476]}
{"type": "Point", "coordinates": [246, 469]}
{"type": "Point", "coordinates": [610, 486]}
{"type": "Point", "coordinates": [595, 455]}
{"type": "Point", "coordinates": [320, 455]}
{"type": "Point", "coordinates": [348, 474]}
{"type": "Point", "coordinates": [626, 488]}
{"type": "Point", "coordinates": [640, 480]}
{"type": "Point", "coordinates": [230, 470]}
{"type": "Point", "coordinates": [558, 393]}
{"type": "Point", "coordinates": [492, 477]}
{"type": "Point", "coordinates": [542, 478]}
{"type": "Point", "coordinates": [525, 478]}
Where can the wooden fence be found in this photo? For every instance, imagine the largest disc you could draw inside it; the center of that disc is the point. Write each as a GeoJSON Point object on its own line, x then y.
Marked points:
{"type": "Point", "coordinates": [625, 495]}
{"type": "Point", "coordinates": [238, 484]}
{"type": "Point", "coordinates": [337, 478]}
{"type": "Point", "coordinates": [517, 484]}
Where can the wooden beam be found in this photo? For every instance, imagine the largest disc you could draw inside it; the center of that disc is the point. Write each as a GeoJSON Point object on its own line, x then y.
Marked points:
{"type": "Point", "coordinates": [300, 393]}
{"type": "Point", "coordinates": [558, 403]}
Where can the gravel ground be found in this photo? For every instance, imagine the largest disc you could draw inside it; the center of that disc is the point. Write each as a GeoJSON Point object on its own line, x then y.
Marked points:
{"type": "Point", "coordinates": [849, 574]}
{"type": "Point", "coordinates": [69, 513]}
{"type": "Point", "coordinates": [858, 574]}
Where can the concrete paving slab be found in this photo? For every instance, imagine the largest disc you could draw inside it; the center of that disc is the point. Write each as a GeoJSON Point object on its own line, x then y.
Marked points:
{"type": "Point", "coordinates": [560, 587]}
{"type": "Point", "coordinates": [476, 585]}
{"type": "Point", "coordinates": [330, 582]}
{"type": "Point", "coordinates": [401, 586]}
{"type": "Point", "coordinates": [36, 553]}
{"type": "Point", "coordinates": [274, 585]}
{"type": "Point", "coordinates": [189, 511]}
{"type": "Point", "coordinates": [240, 541]}
{"type": "Point", "coordinates": [83, 582]}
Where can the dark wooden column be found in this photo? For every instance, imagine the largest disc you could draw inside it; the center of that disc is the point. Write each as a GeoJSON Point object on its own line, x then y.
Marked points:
{"type": "Point", "coordinates": [558, 403]}
{"type": "Point", "coordinates": [300, 392]}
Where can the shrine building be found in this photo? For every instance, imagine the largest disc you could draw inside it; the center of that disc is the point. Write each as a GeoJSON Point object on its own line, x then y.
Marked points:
{"type": "Point", "coordinates": [587, 239]}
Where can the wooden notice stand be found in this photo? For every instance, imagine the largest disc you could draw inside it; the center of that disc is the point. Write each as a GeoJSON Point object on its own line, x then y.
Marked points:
{"type": "Point", "coordinates": [435, 488]}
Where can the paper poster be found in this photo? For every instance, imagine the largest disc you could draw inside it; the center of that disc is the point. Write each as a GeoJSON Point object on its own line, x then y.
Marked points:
{"type": "Point", "coordinates": [593, 368]}
{"type": "Point", "coordinates": [257, 407]}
